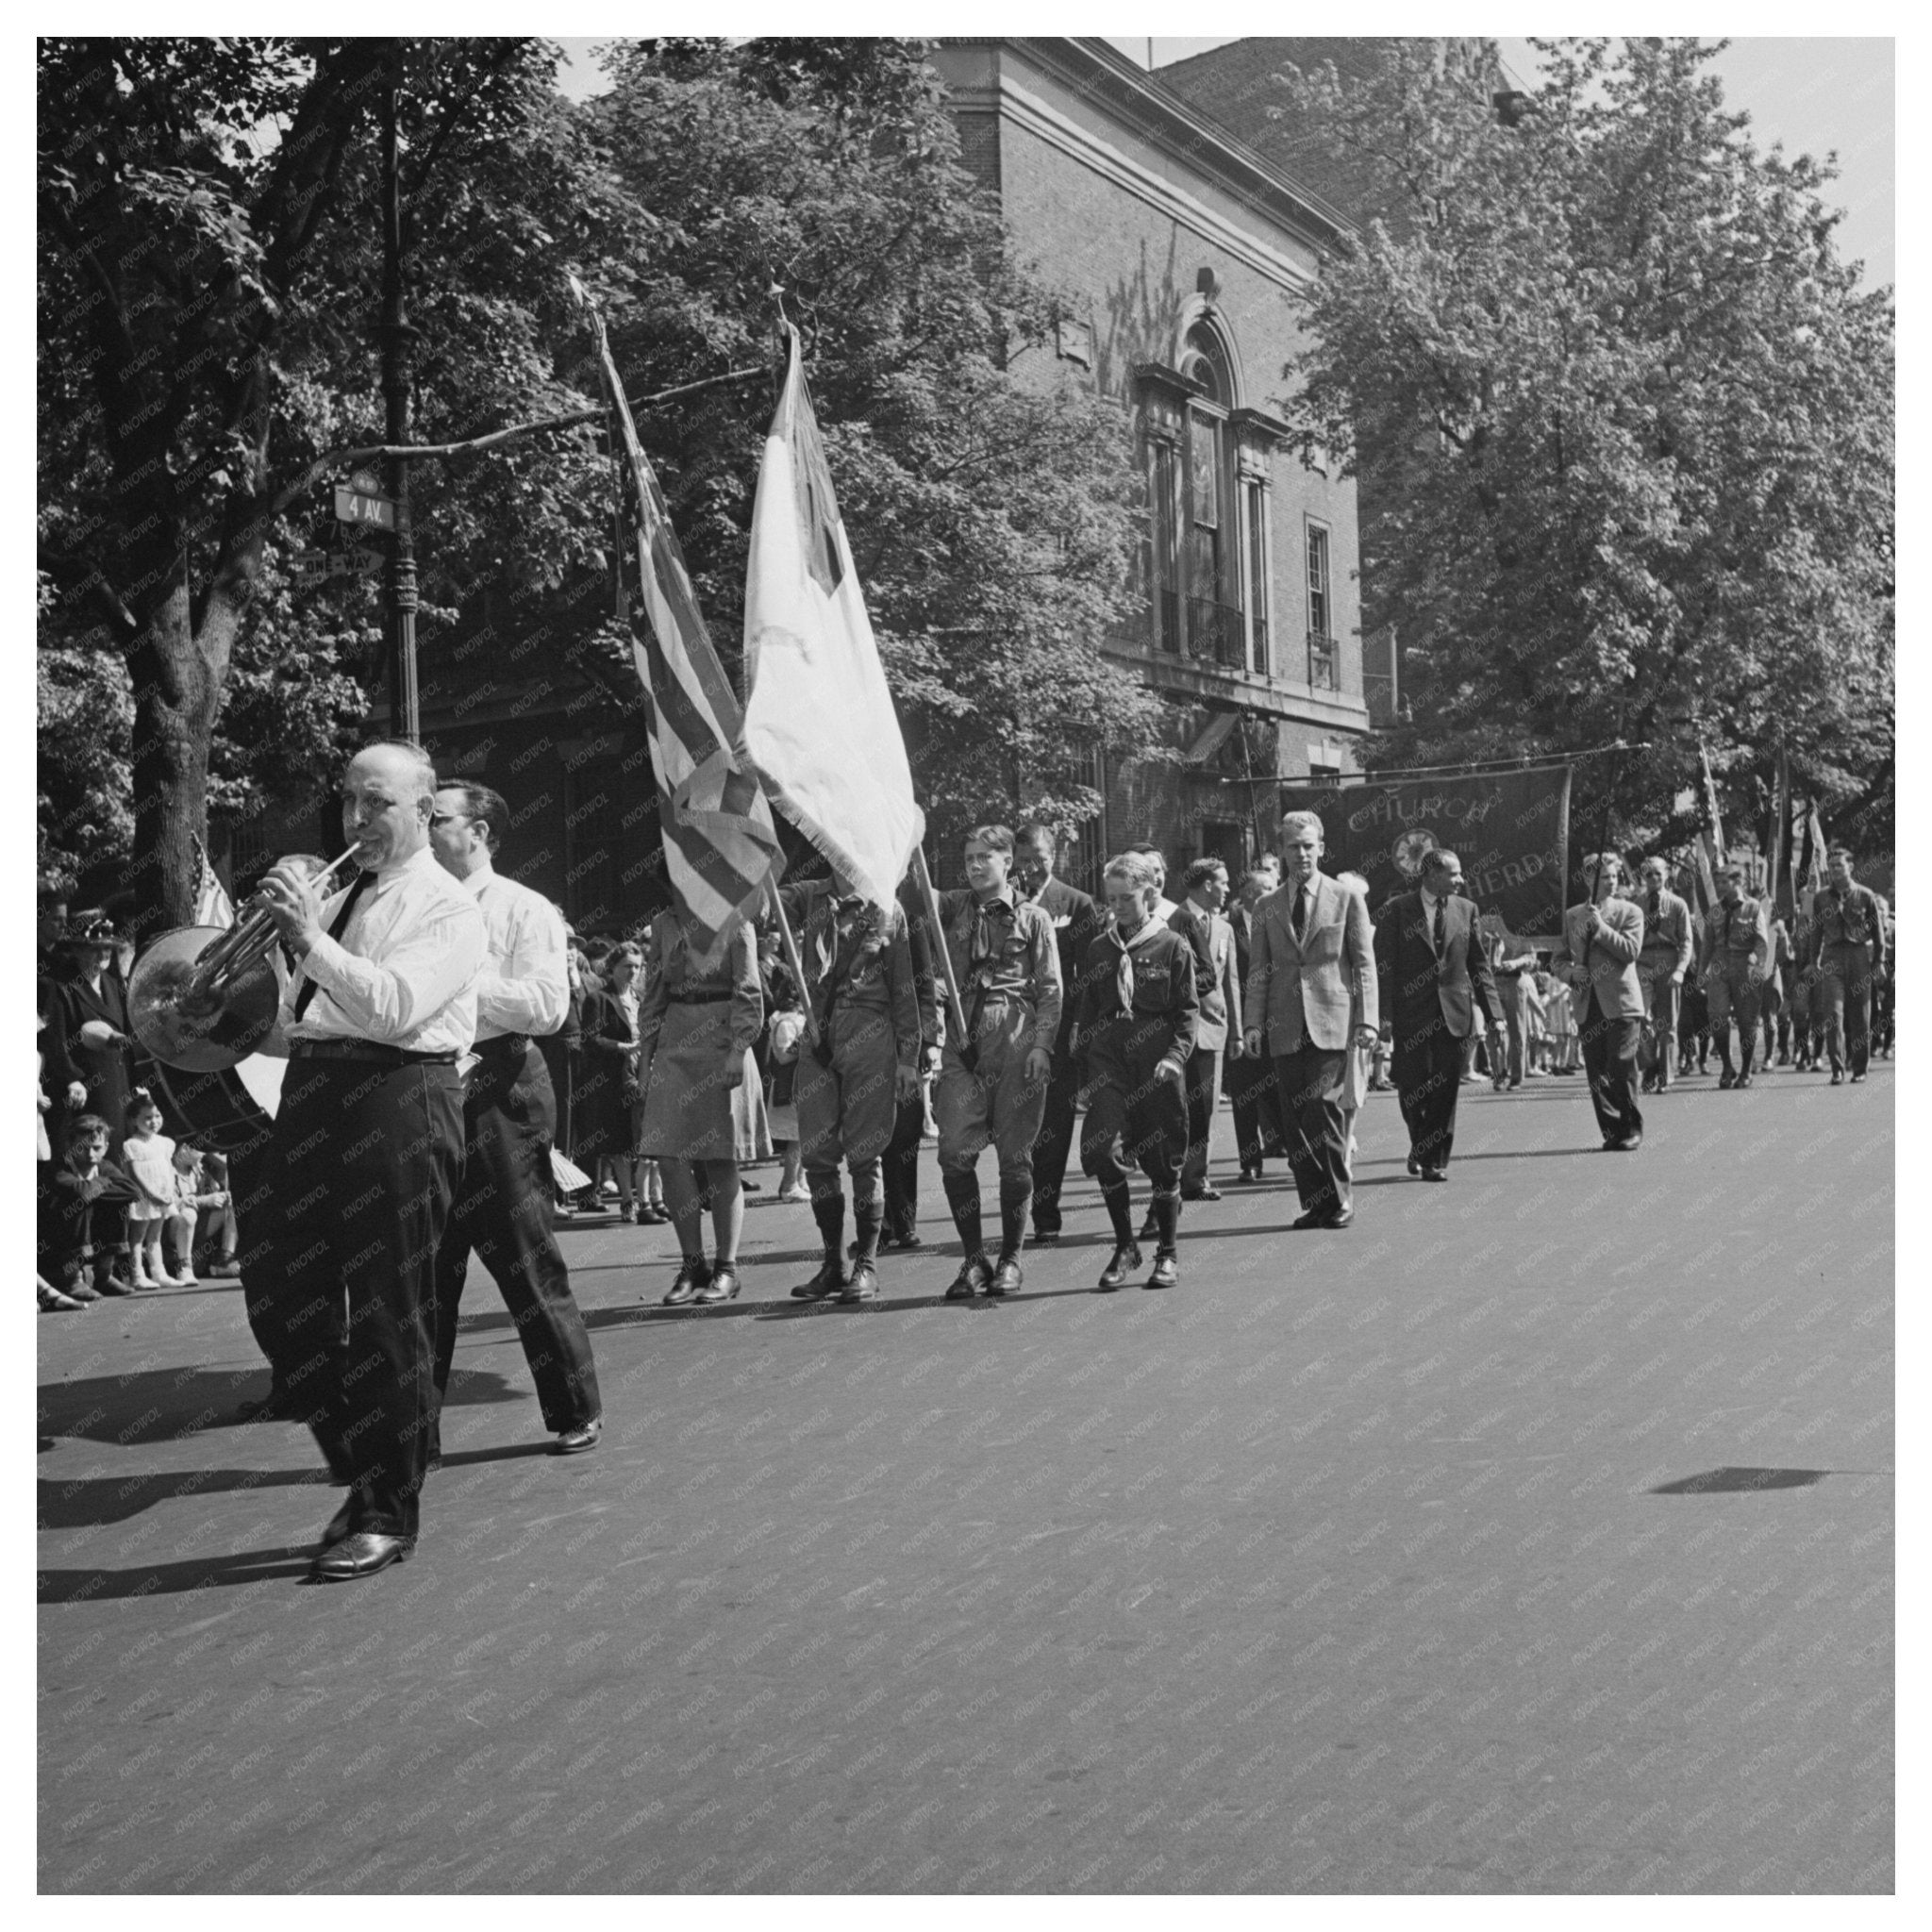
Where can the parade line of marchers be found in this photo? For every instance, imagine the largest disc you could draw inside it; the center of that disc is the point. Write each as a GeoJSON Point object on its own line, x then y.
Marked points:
{"type": "Point", "coordinates": [415, 1115]}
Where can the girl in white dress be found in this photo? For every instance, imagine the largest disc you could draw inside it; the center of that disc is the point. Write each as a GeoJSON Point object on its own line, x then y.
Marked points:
{"type": "Point", "coordinates": [147, 1157]}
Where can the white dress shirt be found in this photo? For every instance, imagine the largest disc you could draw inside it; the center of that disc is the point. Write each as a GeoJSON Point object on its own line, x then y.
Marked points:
{"type": "Point", "coordinates": [526, 982]}
{"type": "Point", "coordinates": [406, 969]}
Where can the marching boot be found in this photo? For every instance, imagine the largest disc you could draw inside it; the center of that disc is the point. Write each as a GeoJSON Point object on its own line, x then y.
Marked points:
{"type": "Point", "coordinates": [828, 1210]}
{"type": "Point", "coordinates": [868, 1217]}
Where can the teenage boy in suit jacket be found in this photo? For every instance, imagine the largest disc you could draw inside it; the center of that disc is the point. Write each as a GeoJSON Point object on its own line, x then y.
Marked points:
{"type": "Point", "coordinates": [1311, 941]}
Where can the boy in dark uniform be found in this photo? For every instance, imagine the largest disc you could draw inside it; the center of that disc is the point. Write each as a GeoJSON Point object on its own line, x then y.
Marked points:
{"type": "Point", "coordinates": [863, 1063]}
{"type": "Point", "coordinates": [1008, 970]}
{"type": "Point", "coordinates": [1138, 1015]}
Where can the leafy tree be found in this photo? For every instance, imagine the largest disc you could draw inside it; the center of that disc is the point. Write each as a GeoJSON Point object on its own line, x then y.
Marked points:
{"type": "Point", "coordinates": [208, 266]}
{"type": "Point", "coordinates": [987, 508]}
{"type": "Point", "coordinates": [1622, 419]}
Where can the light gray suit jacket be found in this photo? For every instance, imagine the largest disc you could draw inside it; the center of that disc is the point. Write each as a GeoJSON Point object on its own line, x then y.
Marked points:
{"type": "Point", "coordinates": [1302, 991]}
{"type": "Point", "coordinates": [1612, 970]}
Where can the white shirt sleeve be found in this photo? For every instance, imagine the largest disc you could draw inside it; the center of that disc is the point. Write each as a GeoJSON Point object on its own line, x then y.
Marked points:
{"type": "Point", "coordinates": [438, 961]}
{"type": "Point", "coordinates": [526, 984]}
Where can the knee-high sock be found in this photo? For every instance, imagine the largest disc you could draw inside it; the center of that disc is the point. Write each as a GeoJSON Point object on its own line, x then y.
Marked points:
{"type": "Point", "coordinates": [828, 1210]}
{"type": "Point", "coordinates": [1167, 1221]}
{"type": "Point", "coordinates": [868, 1208]}
{"type": "Point", "coordinates": [1120, 1210]}
{"type": "Point", "coordinates": [962, 1197]}
{"type": "Point", "coordinates": [1015, 1196]}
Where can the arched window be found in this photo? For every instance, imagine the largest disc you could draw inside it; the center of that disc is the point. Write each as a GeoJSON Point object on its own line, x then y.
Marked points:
{"type": "Point", "coordinates": [1205, 360]}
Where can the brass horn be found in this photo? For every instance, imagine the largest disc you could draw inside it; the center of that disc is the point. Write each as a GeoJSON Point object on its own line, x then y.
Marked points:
{"type": "Point", "coordinates": [203, 997]}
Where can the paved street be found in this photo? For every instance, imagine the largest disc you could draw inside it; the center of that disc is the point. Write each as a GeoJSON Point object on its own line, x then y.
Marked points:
{"type": "Point", "coordinates": [1535, 1534]}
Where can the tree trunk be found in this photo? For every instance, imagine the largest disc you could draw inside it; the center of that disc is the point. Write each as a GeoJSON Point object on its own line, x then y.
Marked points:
{"type": "Point", "coordinates": [177, 690]}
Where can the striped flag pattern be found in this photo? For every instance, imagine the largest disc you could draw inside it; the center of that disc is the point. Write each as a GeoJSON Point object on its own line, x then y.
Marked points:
{"type": "Point", "coordinates": [721, 846]}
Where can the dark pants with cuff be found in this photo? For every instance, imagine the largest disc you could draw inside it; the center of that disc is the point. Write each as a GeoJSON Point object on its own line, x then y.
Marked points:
{"type": "Point", "coordinates": [1427, 1066]}
{"type": "Point", "coordinates": [1308, 1084]}
{"type": "Point", "coordinates": [503, 1214]}
{"type": "Point", "coordinates": [1610, 1059]}
{"type": "Point", "coordinates": [356, 1185]}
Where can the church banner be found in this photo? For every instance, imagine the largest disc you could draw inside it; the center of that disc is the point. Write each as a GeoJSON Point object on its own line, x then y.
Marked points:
{"type": "Point", "coordinates": [1511, 829]}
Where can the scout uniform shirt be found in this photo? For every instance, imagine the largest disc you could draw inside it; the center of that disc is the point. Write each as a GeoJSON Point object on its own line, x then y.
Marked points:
{"type": "Point", "coordinates": [1003, 951]}
{"type": "Point", "coordinates": [1120, 1043]}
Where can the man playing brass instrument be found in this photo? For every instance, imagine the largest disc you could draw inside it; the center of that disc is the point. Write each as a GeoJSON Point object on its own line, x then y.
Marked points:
{"type": "Point", "coordinates": [359, 1174]}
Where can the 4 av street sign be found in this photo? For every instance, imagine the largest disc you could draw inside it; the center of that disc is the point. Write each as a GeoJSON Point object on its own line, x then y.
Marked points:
{"type": "Point", "coordinates": [355, 506]}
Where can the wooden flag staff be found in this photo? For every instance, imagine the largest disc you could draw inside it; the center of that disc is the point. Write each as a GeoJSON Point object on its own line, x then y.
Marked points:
{"type": "Point", "coordinates": [955, 1011]}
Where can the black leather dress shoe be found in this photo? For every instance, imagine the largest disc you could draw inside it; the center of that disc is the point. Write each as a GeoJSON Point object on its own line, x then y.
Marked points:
{"type": "Point", "coordinates": [1167, 1269]}
{"type": "Point", "coordinates": [362, 1555]}
{"type": "Point", "coordinates": [864, 1285]}
{"type": "Point", "coordinates": [902, 1244]}
{"type": "Point", "coordinates": [1626, 1143]}
{"type": "Point", "coordinates": [828, 1280]}
{"type": "Point", "coordinates": [691, 1277]}
{"type": "Point", "coordinates": [723, 1285]}
{"type": "Point", "coordinates": [1838, 1077]}
{"type": "Point", "coordinates": [1727, 1080]}
{"type": "Point", "coordinates": [1435, 1174]}
{"type": "Point", "coordinates": [580, 1440]}
{"type": "Point", "coordinates": [1007, 1278]}
{"type": "Point", "coordinates": [972, 1279]}
{"type": "Point", "coordinates": [1415, 1166]}
{"type": "Point", "coordinates": [1742, 1080]}
{"type": "Point", "coordinates": [1201, 1193]}
{"type": "Point", "coordinates": [1858, 1080]}
{"type": "Point", "coordinates": [1335, 1219]}
{"type": "Point", "coordinates": [1126, 1259]}
{"type": "Point", "coordinates": [1046, 1236]}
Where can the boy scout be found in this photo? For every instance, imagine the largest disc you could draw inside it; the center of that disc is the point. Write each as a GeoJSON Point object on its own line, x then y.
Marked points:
{"type": "Point", "coordinates": [1737, 958]}
{"type": "Point", "coordinates": [1138, 1014]}
{"type": "Point", "coordinates": [1848, 946]}
{"type": "Point", "coordinates": [864, 1062]}
{"type": "Point", "coordinates": [1008, 973]}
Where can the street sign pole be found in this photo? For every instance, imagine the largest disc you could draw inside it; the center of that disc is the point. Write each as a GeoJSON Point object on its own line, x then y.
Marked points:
{"type": "Point", "coordinates": [405, 706]}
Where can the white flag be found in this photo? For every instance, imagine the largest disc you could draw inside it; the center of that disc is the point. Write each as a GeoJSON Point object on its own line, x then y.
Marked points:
{"type": "Point", "coordinates": [819, 722]}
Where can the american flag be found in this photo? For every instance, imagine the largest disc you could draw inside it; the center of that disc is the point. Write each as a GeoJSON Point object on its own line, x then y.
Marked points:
{"type": "Point", "coordinates": [720, 845]}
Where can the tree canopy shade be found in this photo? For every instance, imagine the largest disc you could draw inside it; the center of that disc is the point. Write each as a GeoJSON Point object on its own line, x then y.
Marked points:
{"type": "Point", "coordinates": [209, 262]}
{"type": "Point", "coordinates": [1623, 420]}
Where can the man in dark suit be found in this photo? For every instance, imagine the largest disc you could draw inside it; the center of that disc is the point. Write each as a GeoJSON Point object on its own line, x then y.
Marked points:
{"type": "Point", "coordinates": [1434, 971]}
{"type": "Point", "coordinates": [1076, 921]}
{"type": "Point", "coordinates": [1310, 953]}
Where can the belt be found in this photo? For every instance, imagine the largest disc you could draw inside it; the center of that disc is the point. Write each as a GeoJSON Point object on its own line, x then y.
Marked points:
{"type": "Point", "coordinates": [701, 999]}
{"type": "Point", "coordinates": [509, 1046]}
{"type": "Point", "coordinates": [368, 1051]}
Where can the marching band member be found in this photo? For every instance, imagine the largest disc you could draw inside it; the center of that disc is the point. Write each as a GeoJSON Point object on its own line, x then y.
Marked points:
{"type": "Point", "coordinates": [367, 1146]}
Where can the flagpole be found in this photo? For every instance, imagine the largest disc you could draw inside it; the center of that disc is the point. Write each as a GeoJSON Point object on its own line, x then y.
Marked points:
{"type": "Point", "coordinates": [788, 941]}
{"type": "Point", "coordinates": [956, 1010]}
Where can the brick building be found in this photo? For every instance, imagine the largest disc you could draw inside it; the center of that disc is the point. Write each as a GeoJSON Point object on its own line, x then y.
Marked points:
{"type": "Point", "coordinates": [1177, 246]}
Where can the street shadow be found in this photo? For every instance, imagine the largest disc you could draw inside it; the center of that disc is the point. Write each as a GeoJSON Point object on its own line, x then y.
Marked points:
{"type": "Point", "coordinates": [163, 1405]}
{"type": "Point", "coordinates": [1733, 1482]}
{"type": "Point", "coordinates": [91, 1500]}
{"type": "Point", "coordinates": [169, 1580]}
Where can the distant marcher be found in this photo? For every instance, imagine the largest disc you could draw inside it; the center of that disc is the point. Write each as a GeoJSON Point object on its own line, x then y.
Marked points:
{"type": "Point", "coordinates": [1602, 939]}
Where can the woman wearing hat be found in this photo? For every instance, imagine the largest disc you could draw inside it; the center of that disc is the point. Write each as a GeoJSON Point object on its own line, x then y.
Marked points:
{"type": "Point", "coordinates": [90, 1062]}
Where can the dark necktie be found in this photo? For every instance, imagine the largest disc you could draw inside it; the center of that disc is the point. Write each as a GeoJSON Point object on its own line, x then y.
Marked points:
{"type": "Point", "coordinates": [1300, 913]}
{"type": "Point", "coordinates": [338, 927]}
{"type": "Point", "coordinates": [1441, 923]}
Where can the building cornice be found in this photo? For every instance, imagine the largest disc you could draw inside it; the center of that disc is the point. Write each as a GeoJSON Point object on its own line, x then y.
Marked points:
{"type": "Point", "coordinates": [1190, 140]}
{"type": "Point", "coordinates": [1272, 697]}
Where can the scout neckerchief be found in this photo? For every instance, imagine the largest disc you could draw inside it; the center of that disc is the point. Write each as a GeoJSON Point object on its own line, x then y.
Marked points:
{"type": "Point", "coordinates": [838, 952]}
{"type": "Point", "coordinates": [1124, 967]}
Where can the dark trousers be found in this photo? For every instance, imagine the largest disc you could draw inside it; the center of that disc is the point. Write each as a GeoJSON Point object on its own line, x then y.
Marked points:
{"type": "Point", "coordinates": [1139, 1120]}
{"type": "Point", "coordinates": [1203, 1092]}
{"type": "Point", "coordinates": [1053, 1145]}
{"type": "Point", "coordinates": [1427, 1065]}
{"type": "Point", "coordinates": [1308, 1085]}
{"type": "Point", "coordinates": [355, 1187]}
{"type": "Point", "coordinates": [1610, 1059]}
{"type": "Point", "coordinates": [1843, 993]}
{"type": "Point", "coordinates": [502, 1212]}
{"type": "Point", "coordinates": [901, 1168]}
{"type": "Point", "coordinates": [1257, 1127]}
